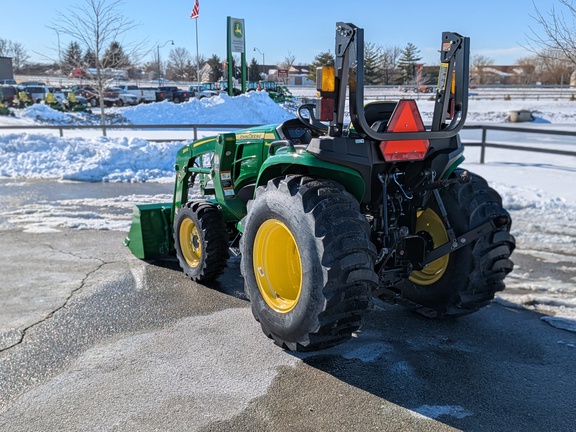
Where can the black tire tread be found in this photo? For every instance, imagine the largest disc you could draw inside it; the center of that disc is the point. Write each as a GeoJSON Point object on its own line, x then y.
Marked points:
{"type": "Point", "coordinates": [215, 242]}
{"type": "Point", "coordinates": [347, 256]}
{"type": "Point", "coordinates": [479, 203]}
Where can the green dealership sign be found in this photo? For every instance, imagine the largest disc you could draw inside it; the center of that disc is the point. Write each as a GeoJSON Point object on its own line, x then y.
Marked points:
{"type": "Point", "coordinates": [237, 41]}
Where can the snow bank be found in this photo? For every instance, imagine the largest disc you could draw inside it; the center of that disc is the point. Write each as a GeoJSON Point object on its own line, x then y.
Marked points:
{"type": "Point", "coordinates": [99, 159]}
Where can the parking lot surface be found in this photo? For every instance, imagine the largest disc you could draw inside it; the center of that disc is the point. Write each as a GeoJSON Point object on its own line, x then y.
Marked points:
{"type": "Point", "coordinates": [92, 338]}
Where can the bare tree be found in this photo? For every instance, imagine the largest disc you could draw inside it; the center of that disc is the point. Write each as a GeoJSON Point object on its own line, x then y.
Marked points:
{"type": "Point", "coordinates": [389, 64]}
{"type": "Point", "coordinates": [553, 67]}
{"type": "Point", "coordinates": [19, 55]}
{"type": "Point", "coordinates": [529, 66]}
{"type": "Point", "coordinates": [559, 31]}
{"type": "Point", "coordinates": [16, 50]}
{"type": "Point", "coordinates": [478, 68]}
{"type": "Point", "coordinates": [288, 62]}
{"type": "Point", "coordinates": [181, 65]}
{"type": "Point", "coordinates": [95, 25]}
{"type": "Point", "coordinates": [4, 44]}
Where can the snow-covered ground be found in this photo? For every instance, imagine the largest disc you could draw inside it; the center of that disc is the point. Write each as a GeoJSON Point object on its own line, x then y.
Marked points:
{"type": "Point", "coordinates": [536, 188]}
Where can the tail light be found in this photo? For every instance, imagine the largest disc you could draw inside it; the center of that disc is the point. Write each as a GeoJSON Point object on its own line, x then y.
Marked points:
{"type": "Point", "coordinates": [406, 118]}
{"type": "Point", "coordinates": [326, 86]}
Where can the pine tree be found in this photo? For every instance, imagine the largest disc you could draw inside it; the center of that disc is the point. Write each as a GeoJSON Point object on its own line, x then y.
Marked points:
{"type": "Point", "coordinates": [322, 59]}
{"type": "Point", "coordinates": [90, 59]}
{"type": "Point", "coordinates": [114, 57]}
{"type": "Point", "coordinates": [72, 57]}
{"type": "Point", "coordinates": [408, 61]}
{"type": "Point", "coordinates": [372, 64]}
{"type": "Point", "coordinates": [216, 70]}
{"type": "Point", "coordinates": [254, 71]}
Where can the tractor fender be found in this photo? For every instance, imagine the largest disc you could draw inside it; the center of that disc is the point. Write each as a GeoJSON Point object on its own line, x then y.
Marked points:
{"type": "Point", "coordinates": [297, 161]}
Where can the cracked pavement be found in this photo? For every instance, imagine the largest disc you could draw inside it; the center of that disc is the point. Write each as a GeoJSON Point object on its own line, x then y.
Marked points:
{"type": "Point", "coordinates": [28, 284]}
{"type": "Point", "coordinates": [92, 338]}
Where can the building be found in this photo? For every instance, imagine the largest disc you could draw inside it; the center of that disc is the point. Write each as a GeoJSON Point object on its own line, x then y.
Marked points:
{"type": "Point", "coordinates": [501, 75]}
{"type": "Point", "coordinates": [6, 71]}
{"type": "Point", "coordinates": [295, 76]}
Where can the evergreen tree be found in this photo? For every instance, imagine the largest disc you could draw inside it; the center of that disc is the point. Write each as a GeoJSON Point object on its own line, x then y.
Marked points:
{"type": "Point", "coordinates": [322, 59]}
{"type": "Point", "coordinates": [408, 61]}
{"type": "Point", "coordinates": [372, 64]}
{"type": "Point", "coordinates": [90, 59]}
{"type": "Point", "coordinates": [216, 70]}
{"type": "Point", "coordinates": [114, 57]}
{"type": "Point", "coordinates": [254, 71]}
{"type": "Point", "coordinates": [73, 57]}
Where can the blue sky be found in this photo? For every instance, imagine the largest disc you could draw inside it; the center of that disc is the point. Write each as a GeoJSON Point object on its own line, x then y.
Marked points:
{"type": "Point", "coordinates": [303, 29]}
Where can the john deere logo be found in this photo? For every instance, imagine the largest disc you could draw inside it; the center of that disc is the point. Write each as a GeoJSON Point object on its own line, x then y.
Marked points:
{"type": "Point", "coordinates": [238, 32]}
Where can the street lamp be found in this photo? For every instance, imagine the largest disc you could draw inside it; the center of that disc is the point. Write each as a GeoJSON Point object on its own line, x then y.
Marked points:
{"type": "Point", "coordinates": [261, 53]}
{"type": "Point", "coordinates": [158, 47]}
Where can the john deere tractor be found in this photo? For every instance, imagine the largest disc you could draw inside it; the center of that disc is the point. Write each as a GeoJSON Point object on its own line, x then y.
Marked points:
{"type": "Point", "coordinates": [328, 214]}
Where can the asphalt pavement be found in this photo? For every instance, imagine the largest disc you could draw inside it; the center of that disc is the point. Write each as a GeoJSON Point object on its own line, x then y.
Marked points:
{"type": "Point", "coordinates": [93, 339]}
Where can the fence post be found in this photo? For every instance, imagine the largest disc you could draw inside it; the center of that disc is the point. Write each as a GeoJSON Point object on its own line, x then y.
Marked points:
{"type": "Point", "coordinates": [61, 132]}
{"type": "Point", "coordinates": [483, 145]}
{"type": "Point", "coordinates": [195, 133]}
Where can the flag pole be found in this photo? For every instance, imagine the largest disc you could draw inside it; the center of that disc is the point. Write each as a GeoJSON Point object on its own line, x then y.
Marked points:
{"type": "Point", "coordinates": [194, 15]}
{"type": "Point", "coordinates": [197, 57]}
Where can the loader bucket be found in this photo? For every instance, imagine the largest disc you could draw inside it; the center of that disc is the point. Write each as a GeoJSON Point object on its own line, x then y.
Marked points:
{"type": "Point", "coordinates": [150, 235]}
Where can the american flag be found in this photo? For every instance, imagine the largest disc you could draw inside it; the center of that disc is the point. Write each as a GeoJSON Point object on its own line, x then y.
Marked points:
{"type": "Point", "coordinates": [195, 10]}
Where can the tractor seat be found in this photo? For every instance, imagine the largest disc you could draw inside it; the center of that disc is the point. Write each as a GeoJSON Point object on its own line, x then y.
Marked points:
{"type": "Point", "coordinates": [378, 114]}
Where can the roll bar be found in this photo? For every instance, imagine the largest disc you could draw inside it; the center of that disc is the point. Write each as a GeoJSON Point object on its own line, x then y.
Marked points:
{"type": "Point", "coordinates": [451, 100]}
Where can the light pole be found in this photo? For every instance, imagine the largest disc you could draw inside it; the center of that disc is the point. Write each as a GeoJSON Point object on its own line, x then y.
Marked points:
{"type": "Point", "coordinates": [158, 47]}
{"type": "Point", "coordinates": [263, 73]}
{"type": "Point", "coordinates": [59, 53]}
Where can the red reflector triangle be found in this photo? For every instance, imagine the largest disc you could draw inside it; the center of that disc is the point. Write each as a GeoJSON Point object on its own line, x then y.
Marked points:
{"type": "Point", "coordinates": [406, 118]}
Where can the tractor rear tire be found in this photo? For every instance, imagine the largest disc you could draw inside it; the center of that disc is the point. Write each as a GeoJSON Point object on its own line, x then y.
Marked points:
{"type": "Point", "coordinates": [467, 279]}
{"type": "Point", "coordinates": [201, 241]}
{"type": "Point", "coordinates": [307, 262]}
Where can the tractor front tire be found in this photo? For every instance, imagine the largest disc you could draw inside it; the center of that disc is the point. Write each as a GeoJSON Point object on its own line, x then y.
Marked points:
{"type": "Point", "coordinates": [307, 262]}
{"type": "Point", "coordinates": [201, 241]}
{"type": "Point", "coordinates": [467, 279]}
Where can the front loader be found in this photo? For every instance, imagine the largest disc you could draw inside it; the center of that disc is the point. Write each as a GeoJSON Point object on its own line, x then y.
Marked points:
{"type": "Point", "coordinates": [328, 214]}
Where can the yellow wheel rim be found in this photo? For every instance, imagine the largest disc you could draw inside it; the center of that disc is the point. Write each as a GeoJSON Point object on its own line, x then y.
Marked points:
{"type": "Point", "coordinates": [429, 222]}
{"type": "Point", "coordinates": [190, 243]}
{"type": "Point", "coordinates": [277, 266]}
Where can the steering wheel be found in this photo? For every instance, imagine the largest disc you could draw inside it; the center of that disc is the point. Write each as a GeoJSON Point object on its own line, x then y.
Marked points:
{"type": "Point", "coordinates": [310, 119]}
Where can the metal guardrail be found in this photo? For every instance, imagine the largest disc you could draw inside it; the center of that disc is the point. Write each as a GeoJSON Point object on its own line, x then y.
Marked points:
{"type": "Point", "coordinates": [193, 127]}
{"type": "Point", "coordinates": [483, 144]}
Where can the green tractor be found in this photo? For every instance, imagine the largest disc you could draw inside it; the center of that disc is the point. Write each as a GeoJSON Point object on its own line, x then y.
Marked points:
{"type": "Point", "coordinates": [279, 93]}
{"type": "Point", "coordinates": [327, 215]}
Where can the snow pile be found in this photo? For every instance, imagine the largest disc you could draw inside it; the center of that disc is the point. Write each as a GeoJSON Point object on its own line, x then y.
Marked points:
{"type": "Point", "coordinates": [123, 159]}
{"type": "Point", "coordinates": [97, 159]}
{"type": "Point", "coordinates": [249, 108]}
